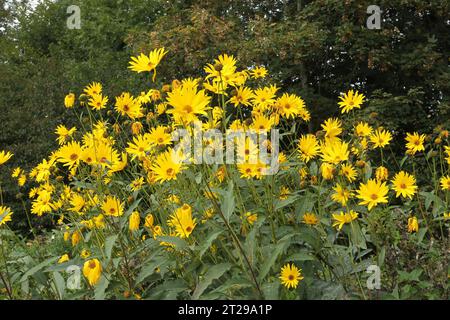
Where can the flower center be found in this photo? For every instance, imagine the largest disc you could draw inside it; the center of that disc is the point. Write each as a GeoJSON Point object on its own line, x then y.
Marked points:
{"type": "Point", "coordinates": [374, 196]}
{"type": "Point", "coordinates": [188, 108]}
{"type": "Point", "coordinates": [73, 156]}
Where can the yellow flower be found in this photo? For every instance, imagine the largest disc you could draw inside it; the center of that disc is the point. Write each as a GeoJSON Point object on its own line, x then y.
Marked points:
{"type": "Point", "coordinates": [289, 105]}
{"type": "Point", "coordinates": [251, 217]}
{"type": "Point", "coordinates": [134, 221]}
{"type": "Point", "coordinates": [85, 254]}
{"type": "Point", "coordinates": [414, 142]}
{"type": "Point", "coordinates": [334, 151]}
{"type": "Point", "coordinates": [351, 100]}
{"type": "Point", "coordinates": [5, 215]}
{"type": "Point", "coordinates": [284, 193]}
{"type": "Point", "coordinates": [404, 185]}
{"type": "Point", "coordinates": [98, 102]}
{"type": "Point", "coordinates": [70, 154]}
{"type": "Point", "coordinates": [136, 128]}
{"type": "Point", "coordinates": [332, 127]}
{"type": "Point", "coordinates": [310, 219]}
{"type": "Point", "coordinates": [140, 146]}
{"type": "Point", "coordinates": [64, 258]}
{"type": "Point", "coordinates": [290, 276]}
{"type": "Point", "coordinates": [343, 218]}
{"type": "Point", "coordinates": [182, 221]}
{"type": "Point", "coordinates": [166, 166]}
{"type": "Point", "coordinates": [149, 220]}
{"type": "Point", "coordinates": [413, 225]}
{"type": "Point", "coordinates": [381, 173]}
{"type": "Point", "coordinates": [76, 237]}
{"type": "Point", "coordinates": [261, 122]}
{"type": "Point", "coordinates": [264, 97]}
{"type": "Point", "coordinates": [187, 104]}
{"type": "Point", "coordinates": [380, 138]}
{"type": "Point", "coordinates": [223, 70]}
{"type": "Point", "coordinates": [69, 100]}
{"type": "Point", "coordinates": [341, 194]}
{"type": "Point", "coordinates": [137, 184]}
{"type": "Point", "coordinates": [22, 179]}
{"type": "Point", "coordinates": [159, 136]}
{"type": "Point", "coordinates": [92, 270]}
{"type": "Point", "coordinates": [5, 156]}
{"type": "Point", "coordinates": [348, 171]}
{"type": "Point", "coordinates": [372, 193]}
{"type": "Point", "coordinates": [327, 170]}
{"type": "Point", "coordinates": [64, 133]}
{"type": "Point", "coordinates": [144, 63]}
{"type": "Point", "coordinates": [99, 221]}
{"type": "Point", "coordinates": [93, 89]}
{"type": "Point", "coordinates": [445, 183]}
{"type": "Point", "coordinates": [173, 198]}
{"type": "Point", "coordinates": [308, 147]}
{"type": "Point", "coordinates": [363, 129]}
{"type": "Point", "coordinates": [242, 96]}
{"type": "Point", "coordinates": [126, 104]}
{"type": "Point", "coordinates": [112, 206]}
{"type": "Point", "coordinates": [258, 72]}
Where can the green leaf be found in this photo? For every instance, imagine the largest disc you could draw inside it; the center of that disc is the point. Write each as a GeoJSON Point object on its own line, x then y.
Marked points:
{"type": "Point", "coordinates": [275, 251]}
{"type": "Point", "coordinates": [38, 267]}
{"type": "Point", "coordinates": [109, 245]}
{"type": "Point", "coordinates": [60, 284]}
{"type": "Point", "coordinates": [215, 272]}
{"type": "Point", "coordinates": [179, 243]}
{"type": "Point", "coordinates": [100, 289]}
{"type": "Point", "coordinates": [228, 204]}
{"type": "Point", "coordinates": [207, 244]}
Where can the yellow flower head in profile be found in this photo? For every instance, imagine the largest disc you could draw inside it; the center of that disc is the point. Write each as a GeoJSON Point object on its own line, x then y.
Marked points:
{"type": "Point", "coordinates": [332, 127]}
{"type": "Point", "coordinates": [290, 276]}
{"type": "Point", "coordinates": [93, 89]}
{"type": "Point", "coordinates": [413, 225]}
{"type": "Point", "coordinates": [258, 72]}
{"type": "Point", "coordinates": [351, 100]}
{"type": "Point", "coordinates": [167, 165]}
{"type": "Point", "coordinates": [76, 238]}
{"type": "Point", "coordinates": [187, 103]}
{"type": "Point", "coordinates": [343, 218]}
{"type": "Point", "coordinates": [414, 143]}
{"type": "Point", "coordinates": [5, 156]}
{"type": "Point", "coordinates": [64, 258]}
{"type": "Point", "coordinates": [363, 129]}
{"type": "Point", "coordinates": [380, 138]}
{"type": "Point", "coordinates": [372, 193]}
{"type": "Point", "coordinates": [310, 219]}
{"type": "Point", "coordinates": [404, 184]}
{"type": "Point", "coordinates": [445, 183]}
{"type": "Point", "coordinates": [5, 215]}
{"type": "Point", "coordinates": [182, 221]}
{"type": "Point", "coordinates": [327, 170]}
{"type": "Point", "coordinates": [149, 221]}
{"type": "Point", "coordinates": [98, 101]}
{"type": "Point", "coordinates": [308, 147]}
{"type": "Point", "coordinates": [381, 173]}
{"type": "Point", "coordinates": [112, 206]}
{"type": "Point", "coordinates": [92, 270]}
{"type": "Point", "coordinates": [224, 68]}
{"type": "Point", "coordinates": [69, 100]}
{"type": "Point", "coordinates": [134, 221]}
{"type": "Point", "coordinates": [144, 63]}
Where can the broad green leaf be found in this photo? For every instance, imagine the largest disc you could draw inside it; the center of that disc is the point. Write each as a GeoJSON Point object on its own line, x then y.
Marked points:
{"type": "Point", "coordinates": [215, 272]}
